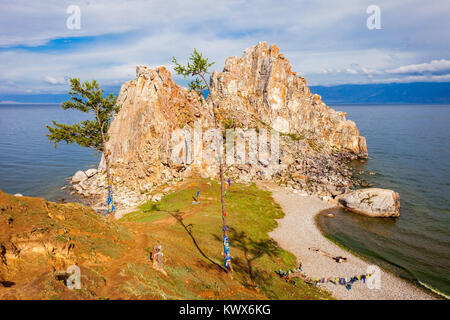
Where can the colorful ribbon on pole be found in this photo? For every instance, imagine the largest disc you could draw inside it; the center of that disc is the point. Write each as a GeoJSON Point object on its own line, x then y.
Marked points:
{"type": "Point", "coordinates": [110, 200]}
{"type": "Point", "coordinates": [226, 252]}
{"type": "Point", "coordinates": [227, 185]}
{"type": "Point", "coordinates": [347, 282]}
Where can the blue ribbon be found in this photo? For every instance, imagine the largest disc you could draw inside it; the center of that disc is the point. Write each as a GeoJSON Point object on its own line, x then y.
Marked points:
{"type": "Point", "coordinates": [226, 251]}
{"type": "Point", "coordinates": [111, 207]}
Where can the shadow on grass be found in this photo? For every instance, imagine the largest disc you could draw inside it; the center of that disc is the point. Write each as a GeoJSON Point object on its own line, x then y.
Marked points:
{"type": "Point", "coordinates": [252, 251]}
{"type": "Point", "coordinates": [151, 207]}
{"type": "Point", "coordinates": [7, 284]}
{"type": "Point", "coordinates": [178, 216]}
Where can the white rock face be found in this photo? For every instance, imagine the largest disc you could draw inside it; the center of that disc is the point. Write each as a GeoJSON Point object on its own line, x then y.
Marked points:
{"type": "Point", "coordinates": [157, 197]}
{"type": "Point", "coordinates": [261, 85]}
{"type": "Point", "coordinates": [91, 172]}
{"type": "Point", "coordinates": [165, 132]}
{"type": "Point", "coordinates": [18, 195]}
{"type": "Point", "coordinates": [156, 114]}
{"type": "Point", "coordinates": [79, 176]}
{"type": "Point", "coordinates": [372, 202]}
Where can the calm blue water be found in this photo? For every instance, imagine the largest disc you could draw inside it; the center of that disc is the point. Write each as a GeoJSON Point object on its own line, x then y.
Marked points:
{"type": "Point", "coordinates": [409, 150]}
{"type": "Point", "coordinates": [29, 164]}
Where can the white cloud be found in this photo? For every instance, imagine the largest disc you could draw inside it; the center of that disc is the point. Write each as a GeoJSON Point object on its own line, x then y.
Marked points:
{"type": "Point", "coordinates": [327, 40]}
{"type": "Point", "coordinates": [432, 67]}
{"type": "Point", "coordinates": [53, 80]}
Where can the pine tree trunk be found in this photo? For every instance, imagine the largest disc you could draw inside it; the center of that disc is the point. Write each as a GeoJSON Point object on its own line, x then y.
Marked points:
{"type": "Point", "coordinates": [222, 183]}
{"type": "Point", "coordinates": [108, 172]}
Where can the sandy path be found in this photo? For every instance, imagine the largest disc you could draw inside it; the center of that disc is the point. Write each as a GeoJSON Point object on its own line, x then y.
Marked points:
{"type": "Point", "coordinates": [297, 232]}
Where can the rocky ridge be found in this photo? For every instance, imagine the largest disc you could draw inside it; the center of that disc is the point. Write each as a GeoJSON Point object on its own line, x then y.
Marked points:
{"type": "Point", "coordinates": [260, 88]}
{"type": "Point", "coordinates": [256, 92]}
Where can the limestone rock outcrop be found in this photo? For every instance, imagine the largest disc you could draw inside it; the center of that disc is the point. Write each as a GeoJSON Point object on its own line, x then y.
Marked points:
{"type": "Point", "coordinates": [79, 176]}
{"type": "Point", "coordinates": [260, 88]}
{"type": "Point", "coordinates": [154, 109]}
{"type": "Point", "coordinates": [153, 106]}
{"type": "Point", "coordinates": [372, 202]}
{"type": "Point", "coordinates": [152, 140]}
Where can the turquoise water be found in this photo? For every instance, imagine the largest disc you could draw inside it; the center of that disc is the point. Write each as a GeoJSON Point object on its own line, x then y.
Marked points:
{"type": "Point", "coordinates": [409, 150]}
{"type": "Point", "coordinates": [29, 164]}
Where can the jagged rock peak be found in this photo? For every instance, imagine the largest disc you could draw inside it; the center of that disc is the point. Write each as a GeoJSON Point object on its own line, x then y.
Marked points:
{"type": "Point", "coordinates": [260, 88]}
{"type": "Point", "coordinates": [152, 107]}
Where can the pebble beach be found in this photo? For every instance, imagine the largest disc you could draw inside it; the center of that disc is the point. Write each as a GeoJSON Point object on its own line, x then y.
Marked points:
{"type": "Point", "coordinates": [297, 232]}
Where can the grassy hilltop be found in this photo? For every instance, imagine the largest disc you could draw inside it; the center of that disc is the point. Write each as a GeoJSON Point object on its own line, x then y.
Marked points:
{"type": "Point", "coordinates": [114, 256]}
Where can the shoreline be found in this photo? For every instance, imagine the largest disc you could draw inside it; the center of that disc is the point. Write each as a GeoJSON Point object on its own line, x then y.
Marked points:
{"type": "Point", "coordinates": [434, 293]}
{"type": "Point", "coordinates": [300, 214]}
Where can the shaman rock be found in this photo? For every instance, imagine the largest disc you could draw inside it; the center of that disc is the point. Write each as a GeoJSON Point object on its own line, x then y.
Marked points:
{"type": "Point", "coordinates": [261, 89]}
{"type": "Point", "coordinates": [152, 140]}
{"type": "Point", "coordinates": [154, 111]}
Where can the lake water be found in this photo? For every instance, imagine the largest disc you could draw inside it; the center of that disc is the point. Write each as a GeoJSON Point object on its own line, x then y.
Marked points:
{"type": "Point", "coordinates": [29, 164]}
{"type": "Point", "coordinates": [409, 149]}
{"type": "Point", "coordinates": [409, 152]}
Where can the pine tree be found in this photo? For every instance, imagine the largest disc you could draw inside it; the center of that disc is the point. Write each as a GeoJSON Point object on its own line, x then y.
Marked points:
{"type": "Point", "coordinates": [89, 98]}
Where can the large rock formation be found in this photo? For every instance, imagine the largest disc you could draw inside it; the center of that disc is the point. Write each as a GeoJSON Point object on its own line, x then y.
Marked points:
{"type": "Point", "coordinates": [153, 108]}
{"type": "Point", "coordinates": [153, 138]}
{"type": "Point", "coordinates": [260, 88]}
{"type": "Point", "coordinates": [372, 202]}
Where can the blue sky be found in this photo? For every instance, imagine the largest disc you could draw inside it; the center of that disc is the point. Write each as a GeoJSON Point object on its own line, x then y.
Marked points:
{"type": "Point", "coordinates": [327, 42]}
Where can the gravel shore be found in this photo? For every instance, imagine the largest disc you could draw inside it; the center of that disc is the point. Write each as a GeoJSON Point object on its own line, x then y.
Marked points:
{"type": "Point", "coordinates": [298, 231]}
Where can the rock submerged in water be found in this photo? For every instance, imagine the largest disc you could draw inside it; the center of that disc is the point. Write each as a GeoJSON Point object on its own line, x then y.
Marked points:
{"type": "Point", "coordinates": [372, 202]}
{"type": "Point", "coordinates": [79, 176]}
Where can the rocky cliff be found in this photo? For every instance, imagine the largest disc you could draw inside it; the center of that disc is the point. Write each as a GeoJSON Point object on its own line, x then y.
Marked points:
{"type": "Point", "coordinates": [153, 138]}
{"type": "Point", "coordinates": [260, 88]}
{"type": "Point", "coordinates": [153, 107]}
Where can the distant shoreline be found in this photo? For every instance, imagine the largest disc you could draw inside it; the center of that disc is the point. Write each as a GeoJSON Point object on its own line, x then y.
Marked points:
{"type": "Point", "coordinates": [433, 93]}
{"type": "Point", "coordinates": [19, 103]}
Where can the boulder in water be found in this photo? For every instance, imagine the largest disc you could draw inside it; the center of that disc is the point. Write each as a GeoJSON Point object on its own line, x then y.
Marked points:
{"type": "Point", "coordinates": [372, 202]}
{"type": "Point", "coordinates": [91, 172]}
{"type": "Point", "coordinates": [79, 176]}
